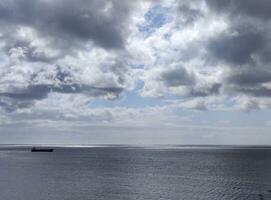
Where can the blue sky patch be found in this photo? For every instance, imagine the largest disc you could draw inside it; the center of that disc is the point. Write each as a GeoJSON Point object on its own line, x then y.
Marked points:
{"type": "Point", "coordinates": [154, 19]}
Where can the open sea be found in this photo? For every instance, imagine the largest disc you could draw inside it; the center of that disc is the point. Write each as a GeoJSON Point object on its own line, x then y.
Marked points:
{"type": "Point", "coordinates": [135, 173]}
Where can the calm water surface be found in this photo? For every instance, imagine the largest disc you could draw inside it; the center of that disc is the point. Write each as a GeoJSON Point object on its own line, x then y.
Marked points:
{"type": "Point", "coordinates": [119, 173]}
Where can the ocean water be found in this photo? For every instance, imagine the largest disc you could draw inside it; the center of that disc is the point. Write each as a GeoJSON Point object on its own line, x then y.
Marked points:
{"type": "Point", "coordinates": [126, 173]}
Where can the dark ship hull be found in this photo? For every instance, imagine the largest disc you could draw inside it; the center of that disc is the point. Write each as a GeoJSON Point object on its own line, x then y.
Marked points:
{"type": "Point", "coordinates": [34, 149]}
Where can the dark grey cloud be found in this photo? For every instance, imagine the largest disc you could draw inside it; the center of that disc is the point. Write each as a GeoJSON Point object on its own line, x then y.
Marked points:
{"type": "Point", "coordinates": [188, 15]}
{"type": "Point", "coordinates": [177, 76]}
{"type": "Point", "coordinates": [251, 8]}
{"type": "Point", "coordinates": [26, 97]}
{"type": "Point", "coordinates": [252, 91]}
{"type": "Point", "coordinates": [247, 40]}
{"type": "Point", "coordinates": [249, 76]}
{"type": "Point", "coordinates": [244, 47]}
{"type": "Point", "coordinates": [209, 90]}
{"type": "Point", "coordinates": [38, 92]}
{"type": "Point", "coordinates": [191, 85]}
{"type": "Point", "coordinates": [65, 21]}
{"type": "Point", "coordinates": [247, 31]}
{"type": "Point", "coordinates": [249, 81]}
{"type": "Point", "coordinates": [10, 105]}
{"type": "Point", "coordinates": [236, 48]}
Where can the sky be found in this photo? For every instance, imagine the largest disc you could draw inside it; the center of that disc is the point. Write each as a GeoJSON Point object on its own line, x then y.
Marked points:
{"type": "Point", "coordinates": [135, 72]}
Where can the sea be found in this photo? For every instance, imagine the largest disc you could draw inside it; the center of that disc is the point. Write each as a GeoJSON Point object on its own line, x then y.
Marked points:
{"type": "Point", "coordinates": [135, 173]}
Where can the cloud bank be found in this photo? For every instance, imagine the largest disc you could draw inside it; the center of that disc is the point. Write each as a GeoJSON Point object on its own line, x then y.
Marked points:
{"type": "Point", "coordinates": [63, 47]}
{"type": "Point", "coordinates": [211, 48]}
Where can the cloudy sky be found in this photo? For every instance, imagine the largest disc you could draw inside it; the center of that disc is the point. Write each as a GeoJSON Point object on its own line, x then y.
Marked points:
{"type": "Point", "coordinates": [135, 72]}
